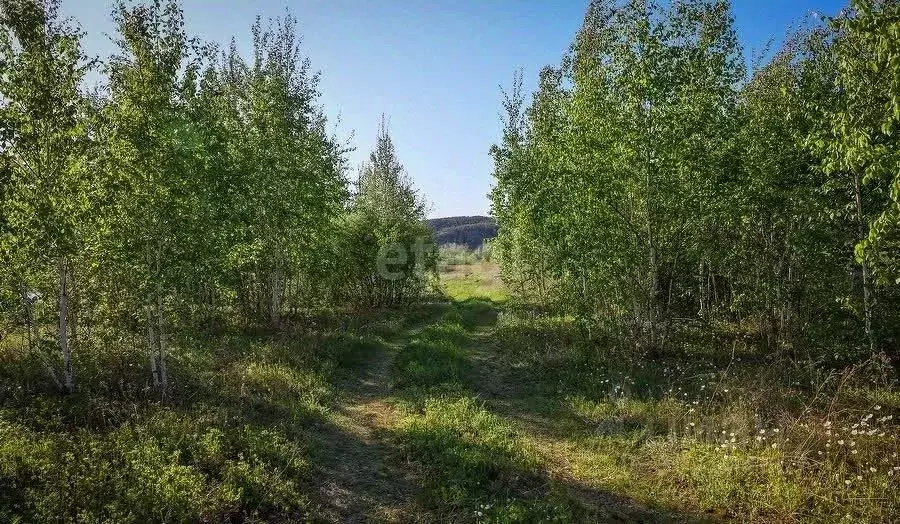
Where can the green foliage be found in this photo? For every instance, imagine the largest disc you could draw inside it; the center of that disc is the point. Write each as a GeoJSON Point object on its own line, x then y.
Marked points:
{"type": "Point", "coordinates": [47, 183]}
{"type": "Point", "coordinates": [169, 467]}
{"type": "Point", "coordinates": [195, 215]}
{"type": "Point", "coordinates": [742, 437]}
{"type": "Point", "coordinates": [387, 249]}
{"type": "Point", "coordinates": [648, 185]}
{"type": "Point", "coordinates": [858, 136]}
{"type": "Point", "coordinates": [450, 255]}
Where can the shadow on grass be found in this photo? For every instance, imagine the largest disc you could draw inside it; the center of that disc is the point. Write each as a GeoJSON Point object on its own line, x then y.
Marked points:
{"type": "Point", "coordinates": [477, 467]}
{"type": "Point", "coordinates": [231, 442]}
{"type": "Point", "coordinates": [357, 477]}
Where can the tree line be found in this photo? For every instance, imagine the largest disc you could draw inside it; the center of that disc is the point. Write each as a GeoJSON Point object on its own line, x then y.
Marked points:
{"type": "Point", "coordinates": [192, 185]}
{"type": "Point", "coordinates": [653, 184]}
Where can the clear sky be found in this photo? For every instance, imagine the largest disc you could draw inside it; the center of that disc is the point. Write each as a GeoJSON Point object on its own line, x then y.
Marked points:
{"type": "Point", "coordinates": [433, 67]}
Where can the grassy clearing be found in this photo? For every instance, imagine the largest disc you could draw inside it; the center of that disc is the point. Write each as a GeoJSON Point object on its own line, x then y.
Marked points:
{"type": "Point", "coordinates": [480, 280]}
{"type": "Point", "coordinates": [476, 464]}
{"type": "Point", "coordinates": [461, 411]}
{"type": "Point", "coordinates": [690, 436]}
{"type": "Point", "coordinates": [478, 467]}
{"type": "Point", "coordinates": [750, 440]}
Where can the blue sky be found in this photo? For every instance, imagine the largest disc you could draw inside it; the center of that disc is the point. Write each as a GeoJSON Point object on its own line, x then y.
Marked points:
{"type": "Point", "coordinates": [433, 67]}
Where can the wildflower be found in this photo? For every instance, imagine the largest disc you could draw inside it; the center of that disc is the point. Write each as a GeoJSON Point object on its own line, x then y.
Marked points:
{"type": "Point", "coordinates": [877, 408]}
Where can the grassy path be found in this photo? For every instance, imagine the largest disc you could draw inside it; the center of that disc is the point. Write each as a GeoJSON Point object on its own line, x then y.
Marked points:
{"type": "Point", "coordinates": [477, 450]}
{"type": "Point", "coordinates": [549, 433]}
{"type": "Point", "coordinates": [359, 476]}
{"type": "Point", "coordinates": [451, 411]}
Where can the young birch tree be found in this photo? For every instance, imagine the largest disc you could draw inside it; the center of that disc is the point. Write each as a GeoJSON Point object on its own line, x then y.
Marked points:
{"type": "Point", "coordinates": [43, 140]}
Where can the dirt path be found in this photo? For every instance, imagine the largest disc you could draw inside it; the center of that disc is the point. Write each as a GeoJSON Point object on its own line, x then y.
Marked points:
{"type": "Point", "coordinates": [359, 479]}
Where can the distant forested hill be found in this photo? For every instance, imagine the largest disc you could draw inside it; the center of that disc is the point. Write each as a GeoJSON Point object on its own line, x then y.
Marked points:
{"type": "Point", "coordinates": [471, 231]}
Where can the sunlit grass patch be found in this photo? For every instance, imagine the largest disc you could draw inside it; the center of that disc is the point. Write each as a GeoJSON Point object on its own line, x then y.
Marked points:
{"type": "Point", "coordinates": [469, 453]}
{"type": "Point", "coordinates": [748, 438]}
{"type": "Point", "coordinates": [278, 388]}
{"type": "Point", "coordinates": [423, 364]}
{"type": "Point", "coordinates": [480, 281]}
{"type": "Point", "coordinates": [445, 333]}
{"type": "Point", "coordinates": [478, 467]}
{"type": "Point", "coordinates": [753, 484]}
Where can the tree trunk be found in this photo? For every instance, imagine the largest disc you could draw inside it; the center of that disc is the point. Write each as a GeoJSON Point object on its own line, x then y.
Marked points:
{"type": "Point", "coordinates": [161, 341]}
{"type": "Point", "coordinates": [867, 292]}
{"type": "Point", "coordinates": [701, 280]}
{"type": "Point", "coordinates": [29, 320]}
{"type": "Point", "coordinates": [68, 374]}
{"type": "Point", "coordinates": [275, 298]}
{"type": "Point", "coordinates": [151, 344]}
{"type": "Point", "coordinates": [160, 325]}
{"type": "Point", "coordinates": [156, 339]}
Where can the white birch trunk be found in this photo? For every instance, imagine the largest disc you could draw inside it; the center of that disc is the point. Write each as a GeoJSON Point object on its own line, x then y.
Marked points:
{"type": "Point", "coordinates": [160, 328]}
{"type": "Point", "coordinates": [867, 298]}
{"type": "Point", "coordinates": [68, 374]}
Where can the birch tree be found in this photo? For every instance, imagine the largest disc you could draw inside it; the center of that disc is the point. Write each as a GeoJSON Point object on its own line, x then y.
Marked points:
{"type": "Point", "coordinates": [147, 145]}
{"type": "Point", "coordinates": [44, 143]}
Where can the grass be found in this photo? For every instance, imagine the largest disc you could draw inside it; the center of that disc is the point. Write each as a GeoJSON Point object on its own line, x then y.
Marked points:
{"type": "Point", "coordinates": [170, 466]}
{"type": "Point", "coordinates": [458, 411]}
{"type": "Point", "coordinates": [229, 443]}
{"type": "Point", "coordinates": [480, 280]}
{"type": "Point", "coordinates": [693, 435]}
